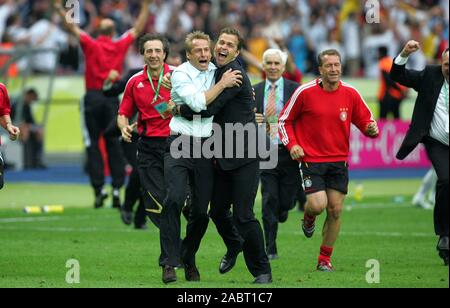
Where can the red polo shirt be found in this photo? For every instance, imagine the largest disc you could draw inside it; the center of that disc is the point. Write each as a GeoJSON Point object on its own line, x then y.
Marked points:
{"type": "Point", "coordinates": [103, 55]}
{"type": "Point", "coordinates": [5, 107]}
{"type": "Point", "coordinates": [139, 94]}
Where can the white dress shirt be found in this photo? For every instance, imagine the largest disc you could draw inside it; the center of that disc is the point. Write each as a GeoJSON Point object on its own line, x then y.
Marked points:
{"type": "Point", "coordinates": [188, 87]}
{"type": "Point", "coordinates": [440, 123]}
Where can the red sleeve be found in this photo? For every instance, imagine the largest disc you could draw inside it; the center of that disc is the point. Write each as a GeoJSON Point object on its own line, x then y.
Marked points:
{"type": "Point", "coordinates": [125, 41]}
{"type": "Point", "coordinates": [287, 120]}
{"type": "Point", "coordinates": [296, 76]}
{"type": "Point", "coordinates": [5, 108]}
{"type": "Point", "coordinates": [361, 114]}
{"type": "Point", "coordinates": [127, 106]}
{"type": "Point", "coordinates": [86, 41]}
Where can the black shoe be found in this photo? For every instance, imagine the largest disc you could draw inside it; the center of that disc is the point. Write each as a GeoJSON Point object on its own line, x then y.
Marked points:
{"type": "Point", "coordinates": [116, 199]}
{"type": "Point", "coordinates": [99, 199]}
{"type": "Point", "coordinates": [143, 227]}
{"type": "Point", "coordinates": [126, 216]}
{"type": "Point", "coordinates": [168, 274]}
{"type": "Point", "coordinates": [228, 262]}
{"type": "Point", "coordinates": [283, 216]}
{"type": "Point", "coordinates": [191, 273]}
{"type": "Point", "coordinates": [308, 230]}
{"type": "Point", "coordinates": [263, 279]}
{"type": "Point", "coordinates": [443, 248]}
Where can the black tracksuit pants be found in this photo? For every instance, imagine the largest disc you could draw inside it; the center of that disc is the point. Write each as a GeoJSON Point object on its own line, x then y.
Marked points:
{"type": "Point", "coordinates": [150, 160]}
{"type": "Point", "coordinates": [237, 188]}
{"type": "Point", "coordinates": [279, 188]}
{"type": "Point", "coordinates": [99, 111]}
{"type": "Point", "coordinates": [133, 189]}
{"type": "Point", "coordinates": [178, 171]}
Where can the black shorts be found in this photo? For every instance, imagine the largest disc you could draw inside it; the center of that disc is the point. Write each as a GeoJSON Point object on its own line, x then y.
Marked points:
{"type": "Point", "coordinates": [322, 176]}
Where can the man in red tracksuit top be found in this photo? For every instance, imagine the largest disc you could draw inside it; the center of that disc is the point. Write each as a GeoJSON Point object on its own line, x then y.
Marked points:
{"type": "Point", "coordinates": [315, 128]}
{"type": "Point", "coordinates": [5, 122]}
{"type": "Point", "coordinates": [144, 92]}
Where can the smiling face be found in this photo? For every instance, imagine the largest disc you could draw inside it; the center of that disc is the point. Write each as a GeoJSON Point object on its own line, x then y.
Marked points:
{"type": "Point", "coordinates": [226, 49]}
{"type": "Point", "coordinates": [331, 69]}
{"type": "Point", "coordinates": [200, 54]}
{"type": "Point", "coordinates": [154, 55]}
{"type": "Point", "coordinates": [445, 67]}
{"type": "Point", "coordinates": [273, 67]}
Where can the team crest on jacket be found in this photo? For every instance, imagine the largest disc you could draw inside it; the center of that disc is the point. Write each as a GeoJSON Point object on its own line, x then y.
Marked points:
{"type": "Point", "coordinates": [344, 114]}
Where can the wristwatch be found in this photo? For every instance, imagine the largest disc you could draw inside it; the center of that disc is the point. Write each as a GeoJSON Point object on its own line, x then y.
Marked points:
{"type": "Point", "coordinates": [176, 111]}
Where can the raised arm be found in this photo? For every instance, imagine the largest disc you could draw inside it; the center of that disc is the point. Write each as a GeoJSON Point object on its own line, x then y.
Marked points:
{"type": "Point", "coordinates": [70, 26]}
{"type": "Point", "coordinates": [141, 21]}
{"type": "Point", "coordinates": [399, 73]}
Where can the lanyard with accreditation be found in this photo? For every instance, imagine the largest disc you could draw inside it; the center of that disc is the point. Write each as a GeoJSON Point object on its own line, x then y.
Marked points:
{"type": "Point", "coordinates": [162, 107]}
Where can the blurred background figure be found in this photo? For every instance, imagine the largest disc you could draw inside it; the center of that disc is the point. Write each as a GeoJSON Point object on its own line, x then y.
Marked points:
{"type": "Point", "coordinates": [390, 93]}
{"type": "Point", "coordinates": [32, 134]}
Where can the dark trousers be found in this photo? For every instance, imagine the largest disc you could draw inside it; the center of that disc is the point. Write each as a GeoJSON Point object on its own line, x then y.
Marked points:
{"type": "Point", "coordinates": [279, 188]}
{"type": "Point", "coordinates": [99, 112]}
{"type": "Point", "coordinates": [439, 156]}
{"type": "Point", "coordinates": [390, 105]}
{"type": "Point", "coordinates": [199, 172]}
{"type": "Point", "coordinates": [133, 189]}
{"type": "Point", "coordinates": [151, 174]}
{"type": "Point", "coordinates": [237, 188]}
{"type": "Point", "coordinates": [33, 150]}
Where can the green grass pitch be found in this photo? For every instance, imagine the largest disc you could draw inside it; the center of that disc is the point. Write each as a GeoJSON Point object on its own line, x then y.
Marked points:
{"type": "Point", "coordinates": [35, 248]}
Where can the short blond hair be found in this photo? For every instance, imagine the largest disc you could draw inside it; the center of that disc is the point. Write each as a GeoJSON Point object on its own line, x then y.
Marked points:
{"type": "Point", "coordinates": [196, 35]}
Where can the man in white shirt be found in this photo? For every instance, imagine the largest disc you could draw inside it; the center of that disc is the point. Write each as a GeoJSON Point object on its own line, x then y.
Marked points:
{"type": "Point", "coordinates": [430, 126]}
{"type": "Point", "coordinates": [193, 85]}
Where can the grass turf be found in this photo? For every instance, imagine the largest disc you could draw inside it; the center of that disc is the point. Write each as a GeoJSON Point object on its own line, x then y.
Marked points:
{"type": "Point", "coordinates": [35, 248]}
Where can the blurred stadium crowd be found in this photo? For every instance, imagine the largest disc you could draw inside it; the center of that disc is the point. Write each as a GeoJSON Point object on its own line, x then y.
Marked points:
{"type": "Point", "coordinates": [304, 26]}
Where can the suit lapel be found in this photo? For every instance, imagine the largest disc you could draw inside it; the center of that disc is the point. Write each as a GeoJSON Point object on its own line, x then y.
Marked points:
{"type": "Point", "coordinates": [260, 97]}
{"type": "Point", "coordinates": [436, 87]}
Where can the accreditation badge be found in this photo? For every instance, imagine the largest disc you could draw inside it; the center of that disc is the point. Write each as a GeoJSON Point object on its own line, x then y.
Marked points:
{"type": "Point", "coordinates": [163, 109]}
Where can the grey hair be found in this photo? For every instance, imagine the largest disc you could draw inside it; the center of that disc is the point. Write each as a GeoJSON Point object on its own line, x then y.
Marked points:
{"type": "Point", "coordinates": [275, 52]}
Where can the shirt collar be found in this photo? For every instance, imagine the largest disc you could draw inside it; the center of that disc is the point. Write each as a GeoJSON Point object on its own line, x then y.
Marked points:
{"type": "Point", "coordinates": [194, 72]}
{"type": "Point", "coordinates": [278, 83]}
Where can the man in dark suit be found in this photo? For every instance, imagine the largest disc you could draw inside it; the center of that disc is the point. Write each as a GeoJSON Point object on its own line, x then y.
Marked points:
{"type": "Point", "coordinates": [430, 126]}
{"type": "Point", "coordinates": [236, 175]}
{"type": "Point", "coordinates": [279, 186]}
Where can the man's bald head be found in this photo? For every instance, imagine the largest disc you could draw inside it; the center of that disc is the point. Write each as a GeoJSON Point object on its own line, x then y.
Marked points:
{"type": "Point", "coordinates": [107, 27]}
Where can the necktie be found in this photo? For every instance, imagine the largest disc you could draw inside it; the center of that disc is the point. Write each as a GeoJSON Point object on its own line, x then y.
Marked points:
{"type": "Point", "coordinates": [271, 110]}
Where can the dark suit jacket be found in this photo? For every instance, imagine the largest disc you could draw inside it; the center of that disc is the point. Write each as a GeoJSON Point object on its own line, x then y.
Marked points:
{"type": "Point", "coordinates": [235, 105]}
{"type": "Point", "coordinates": [289, 89]}
{"type": "Point", "coordinates": [428, 84]}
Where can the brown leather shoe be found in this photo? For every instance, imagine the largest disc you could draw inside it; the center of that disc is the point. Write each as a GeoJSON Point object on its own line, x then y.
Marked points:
{"type": "Point", "coordinates": [168, 274]}
{"type": "Point", "coordinates": [191, 273]}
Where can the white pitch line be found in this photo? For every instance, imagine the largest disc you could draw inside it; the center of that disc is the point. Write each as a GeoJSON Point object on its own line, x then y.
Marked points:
{"type": "Point", "coordinates": [94, 230]}
{"type": "Point", "coordinates": [28, 219]}
{"type": "Point", "coordinates": [67, 230]}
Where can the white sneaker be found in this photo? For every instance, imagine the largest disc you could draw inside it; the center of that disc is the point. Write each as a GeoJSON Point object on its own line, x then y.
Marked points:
{"type": "Point", "coordinates": [419, 201]}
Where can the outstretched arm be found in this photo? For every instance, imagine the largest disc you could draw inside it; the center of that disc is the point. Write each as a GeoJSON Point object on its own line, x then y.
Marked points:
{"type": "Point", "coordinates": [141, 21]}
{"type": "Point", "coordinates": [70, 26]}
